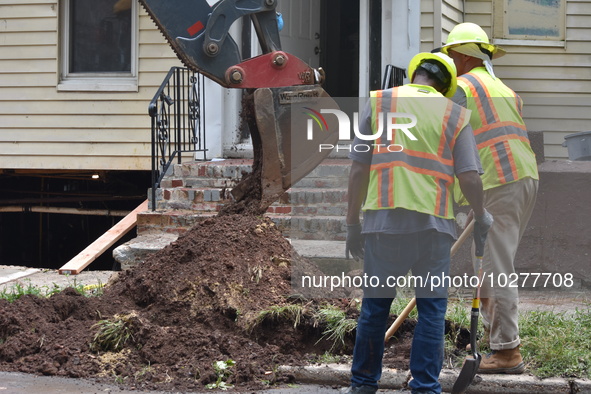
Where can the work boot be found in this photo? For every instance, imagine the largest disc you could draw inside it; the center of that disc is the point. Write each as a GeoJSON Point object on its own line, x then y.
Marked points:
{"type": "Point", "coordinates": [359, 390]}
{"type": "Point", "coordinates": [502, 361]}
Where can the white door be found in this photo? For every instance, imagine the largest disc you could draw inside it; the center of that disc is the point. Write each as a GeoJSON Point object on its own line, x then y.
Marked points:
{"type": "Point", "coordinates": [301, 29]}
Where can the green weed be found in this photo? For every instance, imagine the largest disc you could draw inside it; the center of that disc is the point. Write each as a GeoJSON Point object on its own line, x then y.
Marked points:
{"type": "Point", "coordinates": [291, 312]}
{"type": "Point", "coordinates": [222, 371]}
{"type": "Point", "coordinates": [329, 358]}
{"type": "Point", "coordinates": [19, 290]}
{"type": "Point", "coordinates": [112, 335]}
{"type": "Point", "coordinates": [337, 324]}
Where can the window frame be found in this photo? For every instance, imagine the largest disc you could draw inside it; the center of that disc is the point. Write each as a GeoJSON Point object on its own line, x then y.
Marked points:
{"type": "Point", "coordinates": [101, 82]}
{"type": "Point", "coordinates": [501, 34]}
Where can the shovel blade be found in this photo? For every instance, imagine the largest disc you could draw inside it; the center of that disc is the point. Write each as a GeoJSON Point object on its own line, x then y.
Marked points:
{"type": "Point", "coordinates": [467, 374]}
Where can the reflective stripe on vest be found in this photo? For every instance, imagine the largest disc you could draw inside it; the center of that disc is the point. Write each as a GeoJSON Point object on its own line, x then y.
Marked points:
{"type": "Point", "coordinates": [497, 133]}
{"type": "Point", "coordinates": [421, 176]}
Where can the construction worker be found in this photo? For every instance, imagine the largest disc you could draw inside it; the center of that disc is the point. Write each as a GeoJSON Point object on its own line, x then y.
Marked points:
{"type": "Point", "coordinates": [510, 182]}
{"type": "Point", "coordinates": [408, 220]}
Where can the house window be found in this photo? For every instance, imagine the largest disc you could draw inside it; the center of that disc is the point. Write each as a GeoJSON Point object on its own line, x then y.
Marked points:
{"type": "Point", "coordinates": [530, 20]}
{"type": "Point", "coordinates": [99, 45]}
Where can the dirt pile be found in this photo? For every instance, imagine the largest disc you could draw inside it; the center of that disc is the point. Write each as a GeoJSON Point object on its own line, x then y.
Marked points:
{"type": "Point", "coordinates": [198, 301]}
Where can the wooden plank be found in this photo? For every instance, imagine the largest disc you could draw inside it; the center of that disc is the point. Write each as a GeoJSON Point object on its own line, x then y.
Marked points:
{"type": "Point", "coordinates": [113, 107]}
{"type": "Point", "coordinates": [555, 152]}
{"type": "Point", "coordinates": [453, 11]}
{"type": "Point", "coordinates": [13, 2]}
{"type": "Point", "coordinates": [122, 163]}
{"type": "Point", "coordinates": [29, 38]}
{"type": "Point", "coordinates": [29, 25]}
{"type": "Point", "coordinates": [578, 8]}
{"type": "Point", "coordinates": [140, 135]}
{"type": "Point", "coordinates": [26, 93]}
{"type": "Point", "coordinates": [104, 242]}
{"type": "Point", "coordinates": [81, 122]}
{"type": "Point", "coordinates": [31, 11]}
{"type": "Point", "coordinates": [32, 52]}
{"type": "Point", "coordinates": [77, 150]}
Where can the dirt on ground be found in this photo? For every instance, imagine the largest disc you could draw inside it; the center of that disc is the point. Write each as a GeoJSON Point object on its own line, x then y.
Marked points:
{"type": "Point", "coordinates": [221, 292]}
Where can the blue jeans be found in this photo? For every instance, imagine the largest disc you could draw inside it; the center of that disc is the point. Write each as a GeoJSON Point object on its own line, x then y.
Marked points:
{"type": "Point", "coordinates": [426, 253]}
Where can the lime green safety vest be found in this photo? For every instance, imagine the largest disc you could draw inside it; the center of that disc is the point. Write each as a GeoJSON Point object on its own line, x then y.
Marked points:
{"type": "Point", "coordinates": [499, 130]}
{"type": "Point", "coordinates": [419, 175]}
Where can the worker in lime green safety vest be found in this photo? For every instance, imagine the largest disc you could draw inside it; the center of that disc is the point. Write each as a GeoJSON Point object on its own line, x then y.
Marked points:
{"type": "Point", "coordinates": [510, 182]}
{"type": "Point", "coordinates": [419, 141]}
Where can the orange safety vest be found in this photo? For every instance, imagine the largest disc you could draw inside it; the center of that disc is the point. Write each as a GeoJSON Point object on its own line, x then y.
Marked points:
{"type": "Point", "coordinates": [499, 130]}
{"type": "Point", "coordinates": [420, 175]}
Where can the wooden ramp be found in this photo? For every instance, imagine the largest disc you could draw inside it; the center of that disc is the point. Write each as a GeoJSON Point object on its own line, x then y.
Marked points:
{"type": "Point", "coordinates": [104, 242]}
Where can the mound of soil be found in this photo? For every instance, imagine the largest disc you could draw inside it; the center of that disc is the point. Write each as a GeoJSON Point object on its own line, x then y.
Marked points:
{"type": "Point", "coordinates": [196, 302]}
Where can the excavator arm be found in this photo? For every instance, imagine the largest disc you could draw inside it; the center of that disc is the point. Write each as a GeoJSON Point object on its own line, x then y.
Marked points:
{"type": "Point", "coordinates": [199, 34]}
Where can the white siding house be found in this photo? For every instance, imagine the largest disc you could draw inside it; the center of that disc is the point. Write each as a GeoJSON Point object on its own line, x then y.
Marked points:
{"type": "Point", "coordinates": [50, 121]}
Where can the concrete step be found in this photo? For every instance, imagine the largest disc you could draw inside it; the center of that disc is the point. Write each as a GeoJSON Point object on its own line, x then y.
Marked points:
{"type": "Point", "coordinates": [323, 252]}
{"type": "Point", "coordinates": [175, 221]}
{"type": "Point", "coordinates": [306, 227]}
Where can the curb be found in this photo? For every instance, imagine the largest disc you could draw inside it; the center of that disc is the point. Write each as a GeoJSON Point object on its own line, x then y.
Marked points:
{"type": "Point", "coordinates": [394, 379]}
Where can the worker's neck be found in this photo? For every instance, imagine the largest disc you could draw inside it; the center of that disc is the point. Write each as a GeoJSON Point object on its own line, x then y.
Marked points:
{"type": "Point", "coordinates": [422, 80]}
{"type": "Point", "coordinates": [472, 64]}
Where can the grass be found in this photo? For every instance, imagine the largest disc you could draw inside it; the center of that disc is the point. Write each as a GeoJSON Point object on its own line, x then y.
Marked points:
{"type": "Point", "coordinates": [19, 290]}
{"type": "Point", "coordinates": [291, 312]}
{"type": "Point", "coordinates": [552, 344]}
{"type": "Point", "coordinates": [398, 305]}
{"type": "Point", "coordinates": [113, 335]}
{"type": "Point", "coordinates": [557, 344]}
{"type": "Point", "coordinates": [337, 325]}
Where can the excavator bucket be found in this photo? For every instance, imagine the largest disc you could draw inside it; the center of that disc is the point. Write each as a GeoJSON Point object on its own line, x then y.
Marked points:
{"type": "Point", "coordinates": [284, 149]}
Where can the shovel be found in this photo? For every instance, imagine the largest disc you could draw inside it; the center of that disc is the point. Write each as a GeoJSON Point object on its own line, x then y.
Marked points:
{"type": "Point", "coordinates": [471, 365]}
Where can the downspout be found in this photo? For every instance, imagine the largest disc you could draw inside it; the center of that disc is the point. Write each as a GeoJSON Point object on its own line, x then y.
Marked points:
{"type": "Point", "coordinates": [363, 48]}
{"type": "Point", "coordinates": [437, 25]}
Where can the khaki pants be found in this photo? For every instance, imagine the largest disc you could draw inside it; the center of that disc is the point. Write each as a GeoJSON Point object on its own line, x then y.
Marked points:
{"type": "Point", "coordinates": [511, 206]}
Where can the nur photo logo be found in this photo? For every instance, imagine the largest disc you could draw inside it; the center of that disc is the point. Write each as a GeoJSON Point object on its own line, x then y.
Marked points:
{"type": "Point", "coordinates": [386, 122]}
{"type": "Point", "coordinates": [315, 117]}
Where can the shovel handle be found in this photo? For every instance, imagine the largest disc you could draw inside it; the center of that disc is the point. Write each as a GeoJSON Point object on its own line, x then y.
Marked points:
{"type": "Point", "coordinates": [412, 303]}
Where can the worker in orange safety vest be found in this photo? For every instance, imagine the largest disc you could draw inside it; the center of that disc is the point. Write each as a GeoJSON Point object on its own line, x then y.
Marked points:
{"type": "Point", "coordinates": [510, 182]}
{"type": "Point", "coordinates": [406, 195]}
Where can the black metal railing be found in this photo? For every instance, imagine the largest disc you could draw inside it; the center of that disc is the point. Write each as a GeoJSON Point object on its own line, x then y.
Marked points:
{"type": "Point", "coordinates": [393, 76]}
{"type": "Point", "coordinates": [178, 122]}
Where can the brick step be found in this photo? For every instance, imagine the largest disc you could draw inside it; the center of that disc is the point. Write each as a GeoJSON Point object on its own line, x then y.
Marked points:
{"type": "Point", "coordinates": [222, 173]}
{"type": "Point", "coordinates": [332, 173]}
{"type": "Point", "coordinates": [296, 200]}
{"type": "Point", "coordinates": [314, 227]}
{"type": "Point", "coordinates": [314, 208]}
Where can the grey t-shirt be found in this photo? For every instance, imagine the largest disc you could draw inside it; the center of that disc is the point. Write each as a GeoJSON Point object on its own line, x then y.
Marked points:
{"type": "Point", "coordinates": [403, 221]}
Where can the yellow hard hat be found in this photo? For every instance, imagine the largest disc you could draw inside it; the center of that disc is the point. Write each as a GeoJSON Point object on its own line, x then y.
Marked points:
{"type": "Point", "coordinates": [467, 32]}
{"type": "Point", "coordinates": [448, 75]}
